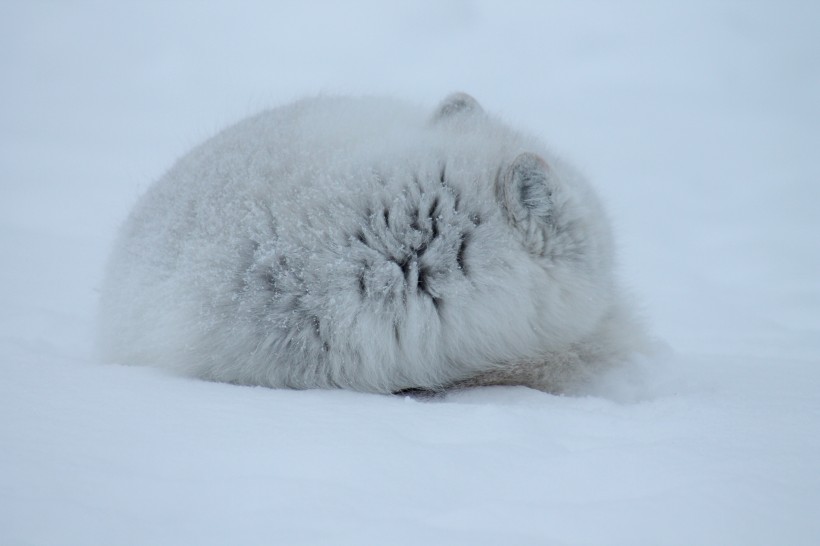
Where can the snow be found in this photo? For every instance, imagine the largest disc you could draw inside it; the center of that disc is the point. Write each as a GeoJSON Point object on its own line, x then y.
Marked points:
{"type": "Point", "coordinates": [698, 124]}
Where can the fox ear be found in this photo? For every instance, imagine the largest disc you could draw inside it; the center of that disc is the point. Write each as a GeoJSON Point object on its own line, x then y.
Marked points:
{"type": "Point", "coordinates": [457, 105]}
{"type": "Point", "coordinates": [525, 191]}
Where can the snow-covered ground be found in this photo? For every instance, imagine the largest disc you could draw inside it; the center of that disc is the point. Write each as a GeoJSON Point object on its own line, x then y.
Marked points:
{"type": "Point", "coordinates": [698, 122]}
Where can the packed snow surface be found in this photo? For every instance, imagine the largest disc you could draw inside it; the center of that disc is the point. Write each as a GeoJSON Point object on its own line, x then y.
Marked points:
{"type": "Point", "coordinates": [698, 124]}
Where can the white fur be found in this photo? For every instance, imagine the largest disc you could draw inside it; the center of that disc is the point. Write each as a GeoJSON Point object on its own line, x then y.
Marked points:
{"type": "Point", "coordinates": [370, 245]}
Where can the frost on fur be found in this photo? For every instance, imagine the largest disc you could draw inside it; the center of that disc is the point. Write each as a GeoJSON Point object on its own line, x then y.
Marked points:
{"type": "Point", "coordinates": [369, 245]}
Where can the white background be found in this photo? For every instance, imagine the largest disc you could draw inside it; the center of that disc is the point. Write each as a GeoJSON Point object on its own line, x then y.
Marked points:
{"type": "Point", "coordinates": [698, 123]}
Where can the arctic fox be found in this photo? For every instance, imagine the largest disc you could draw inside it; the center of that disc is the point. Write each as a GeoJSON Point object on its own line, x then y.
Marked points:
{"type": "Point", "coordinates": [367, 244]}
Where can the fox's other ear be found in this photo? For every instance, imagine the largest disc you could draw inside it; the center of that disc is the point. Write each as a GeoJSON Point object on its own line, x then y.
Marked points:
{"type": "Point", "coordinates": [525, 191]}
{"type": "Point", "coordinates": [457, 105]}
